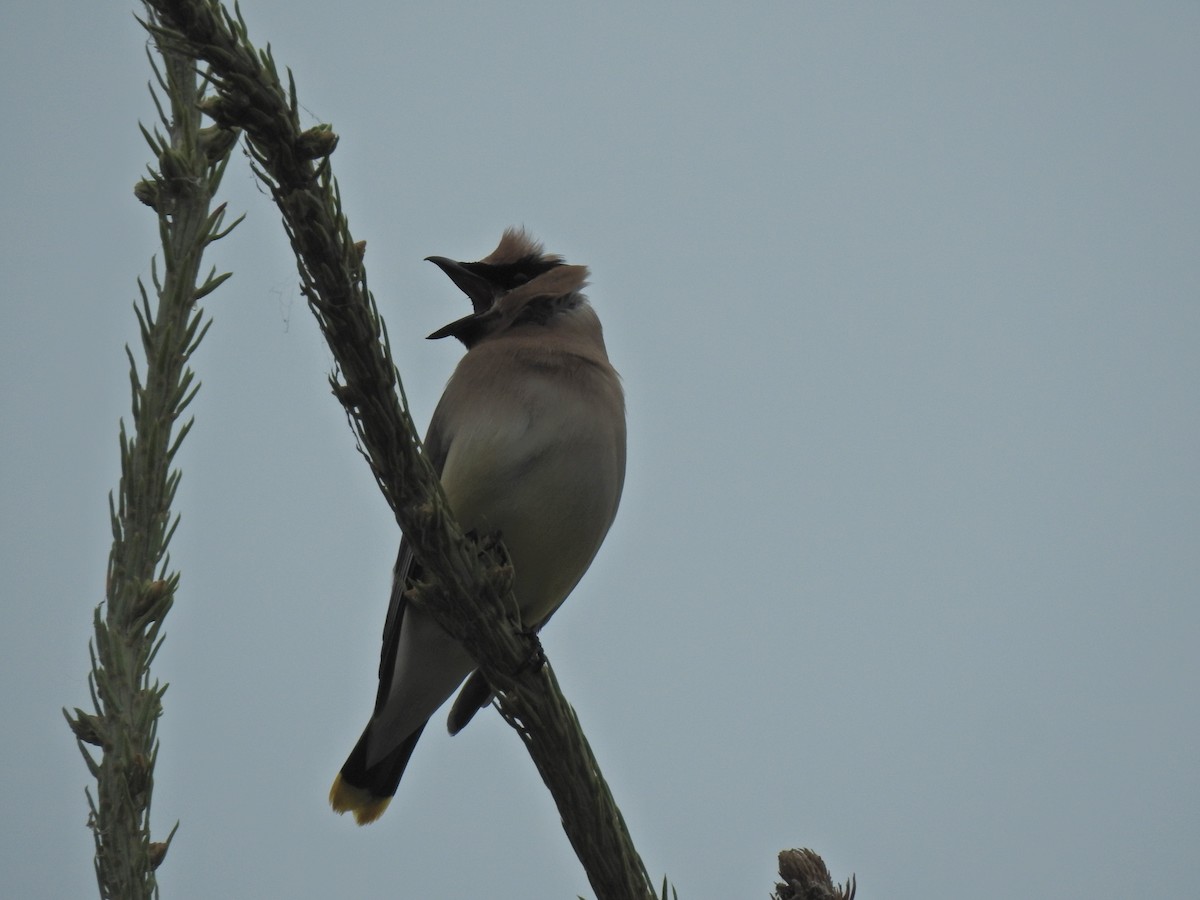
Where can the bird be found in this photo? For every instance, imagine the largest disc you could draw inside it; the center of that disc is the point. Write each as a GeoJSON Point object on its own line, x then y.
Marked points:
{"type": "Point", "coordinates": [528, 440]}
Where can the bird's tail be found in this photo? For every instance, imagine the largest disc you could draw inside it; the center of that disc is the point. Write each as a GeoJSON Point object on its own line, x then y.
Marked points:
{"type": "Point", "coordinates": [366, 790]}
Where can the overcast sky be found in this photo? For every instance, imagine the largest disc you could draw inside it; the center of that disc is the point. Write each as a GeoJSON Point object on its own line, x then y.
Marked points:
{"type": "Point", "coordinates": [906, 300]}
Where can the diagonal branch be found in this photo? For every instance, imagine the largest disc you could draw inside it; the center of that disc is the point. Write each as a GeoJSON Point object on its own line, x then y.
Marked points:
{"type": "Point", "coordinates": [469, 591]}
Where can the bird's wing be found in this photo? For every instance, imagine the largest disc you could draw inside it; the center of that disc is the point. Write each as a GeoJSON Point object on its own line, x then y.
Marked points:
{"type": "Point", "coordinates": [406, 571]}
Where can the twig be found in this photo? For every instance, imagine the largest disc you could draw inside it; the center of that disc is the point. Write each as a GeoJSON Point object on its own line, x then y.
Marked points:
{"type": "Point", "coordinates": [469, 588]}
{"type": "Point", "coordinates": [140, 588]}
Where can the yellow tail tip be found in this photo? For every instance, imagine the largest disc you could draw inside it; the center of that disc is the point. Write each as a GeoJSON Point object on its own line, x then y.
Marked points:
{"type": "Point", "coordinates": [348, 798]}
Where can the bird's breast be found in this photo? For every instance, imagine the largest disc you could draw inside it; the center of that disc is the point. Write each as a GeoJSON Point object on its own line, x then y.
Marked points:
{"type": "Point", "coordinates": [539, 466]}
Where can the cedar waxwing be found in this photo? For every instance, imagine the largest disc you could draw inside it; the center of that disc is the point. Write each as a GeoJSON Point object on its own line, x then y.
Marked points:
{"type": "Point", "coordinates": [529, 441]}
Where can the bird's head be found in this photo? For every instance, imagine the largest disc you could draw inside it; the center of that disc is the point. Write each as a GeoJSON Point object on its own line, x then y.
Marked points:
{"type": "Point", "coordinates": [516, 284]}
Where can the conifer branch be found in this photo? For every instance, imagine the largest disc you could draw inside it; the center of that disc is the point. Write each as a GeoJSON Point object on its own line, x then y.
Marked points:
{"type": "Point", "coordinates": [140, 586]}
{"type": "Point", "coordinates": [469, 585]}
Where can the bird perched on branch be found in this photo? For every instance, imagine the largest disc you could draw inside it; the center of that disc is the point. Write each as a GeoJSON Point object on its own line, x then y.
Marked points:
{"type": "Point", "coordinates": [529, 441]}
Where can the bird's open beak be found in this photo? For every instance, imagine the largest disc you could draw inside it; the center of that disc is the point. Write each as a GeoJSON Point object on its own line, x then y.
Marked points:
{"type": "Point", "coordinates": [476, 287]}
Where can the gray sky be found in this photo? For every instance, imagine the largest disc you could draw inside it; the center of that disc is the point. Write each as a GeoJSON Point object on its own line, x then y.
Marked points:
{"type": "Point", "coordinates": [906, 299]}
